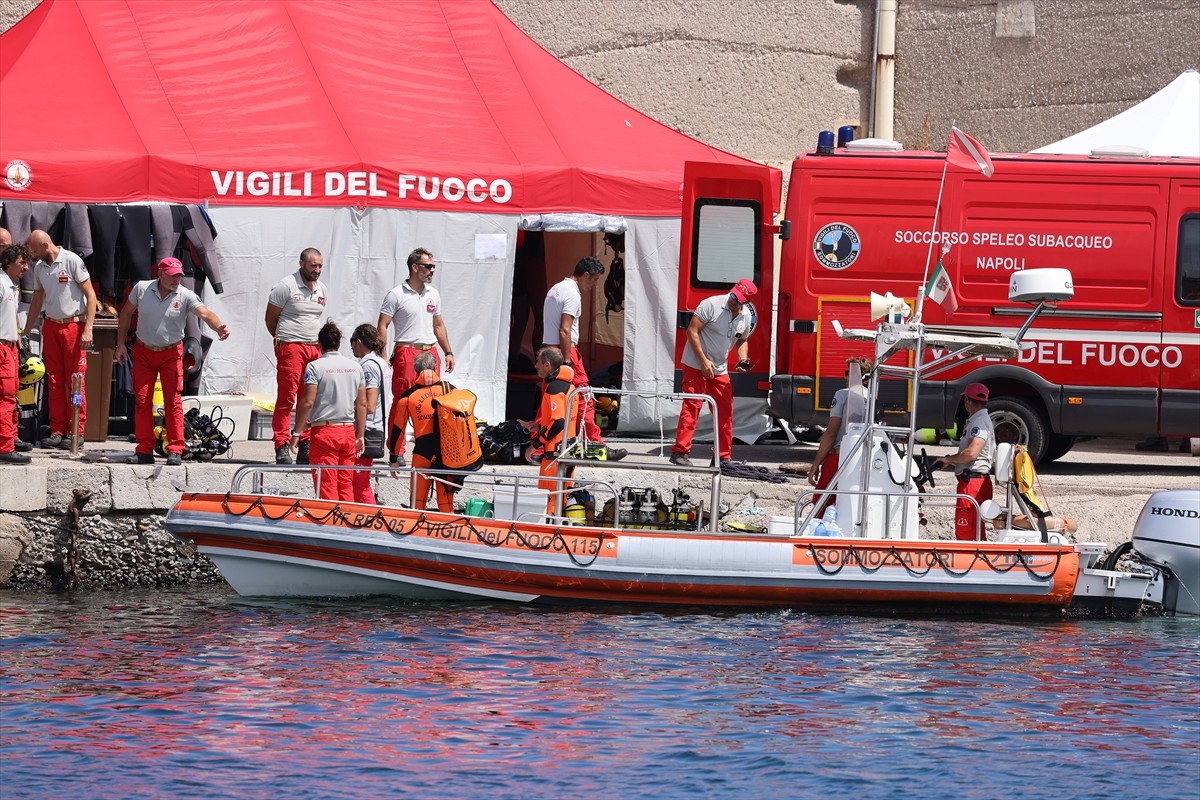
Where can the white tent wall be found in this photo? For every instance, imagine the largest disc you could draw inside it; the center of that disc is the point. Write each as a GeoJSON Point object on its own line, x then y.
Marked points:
{"type": "Point", "coordinates": [1165, 124]}
{"type": "Point", "coordinates": [651, 303]}
{"type": "Point", "coordinates": [365, 255]}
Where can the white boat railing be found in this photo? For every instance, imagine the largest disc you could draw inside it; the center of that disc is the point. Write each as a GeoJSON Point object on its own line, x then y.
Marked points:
{"type": "Point", "coordinates": [518, 491]}
{"type": "Point", "coordinates": [578, 443]}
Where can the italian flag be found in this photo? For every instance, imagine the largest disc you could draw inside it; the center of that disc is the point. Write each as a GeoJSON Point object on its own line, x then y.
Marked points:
{"type": "Point", "coordinates": [941, 291]}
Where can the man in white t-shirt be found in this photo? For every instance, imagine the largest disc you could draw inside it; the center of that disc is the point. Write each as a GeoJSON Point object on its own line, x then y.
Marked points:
{"type": "Point", "coordinates": [718, 324]}
{"type": "Point", "coordinates": [294, 310]}
{"type": "Point", "coordinates": [560, 325]}
{"type": "Point", "coordinates": [827, 458]}
{"type": "Point", "coordinates": [63, 289]}
{"type": "Point", "coordinates": [14, 260]}
{"type": "Point", "coordinates": [973, 462]}
{"type": "Point", "coordinates": [414, 309]}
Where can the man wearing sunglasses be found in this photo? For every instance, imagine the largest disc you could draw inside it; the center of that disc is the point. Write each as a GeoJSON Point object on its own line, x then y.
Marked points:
{"type": "Point", "coordinates": [414, 308]}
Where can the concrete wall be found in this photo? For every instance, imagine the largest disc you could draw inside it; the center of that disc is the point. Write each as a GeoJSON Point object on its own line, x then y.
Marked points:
{"type": "Point", "coordinates": [760, 78]}
{"type": "Point", "coordinates": [1019, 74]}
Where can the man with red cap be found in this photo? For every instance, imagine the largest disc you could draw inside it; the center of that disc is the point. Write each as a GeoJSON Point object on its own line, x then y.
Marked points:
{"type": "Point", "coordinates": [718, 325]}
{"type": "Point", "coordinates": [162, 306]}
{"type": "Point", "coordinates": [973, 462]}
{"type": "Point", "coordinates": [64, 291]}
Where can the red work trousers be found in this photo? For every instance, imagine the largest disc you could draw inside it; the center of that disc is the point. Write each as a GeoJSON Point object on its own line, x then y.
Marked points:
{"type": "Point", "coordinates": [167, 366]}
{"type": "Point", "coordinates": [363, 493]}
{"type": "Point", "coordinates": [829, 468]}
{"type": "Point", "coordinates": [9, 384]}
{"type": "Point", "coordinates": [721, 390]}
{"type": "Point", "coordinates": [290, 360]}
{"type": "Point", "coordinates": [584, 407]}
{"type": "Point", "coordinates": [422, 480]}
{"type": "Point", "coordinates": [403, 377]}
{"type": "Point", "coordinates": [63, 356]}
{"type": "Point", "coordinates": [965, 513]}
{"type": "Point", "coordinates": [333, 446]}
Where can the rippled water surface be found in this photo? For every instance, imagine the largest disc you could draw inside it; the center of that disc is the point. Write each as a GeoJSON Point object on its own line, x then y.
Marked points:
{"type": "Point", "coordinates": [203, 694]}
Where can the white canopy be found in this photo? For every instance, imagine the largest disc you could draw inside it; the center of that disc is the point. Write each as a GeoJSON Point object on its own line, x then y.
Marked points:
{"type": "Point", "coordinates": [1166, 124]}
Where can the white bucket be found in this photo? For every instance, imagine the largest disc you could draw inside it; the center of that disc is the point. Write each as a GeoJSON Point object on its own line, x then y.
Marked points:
{"type": "Point", "coordinates": [781, 526]}
{"type": "Point", "coordinates": [522, 504]}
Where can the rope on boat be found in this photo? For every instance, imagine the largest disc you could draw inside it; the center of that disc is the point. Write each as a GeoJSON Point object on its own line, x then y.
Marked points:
{"type": "Point", "coordinates": [379, 521]}
{"type": "Point", "coordinates": [893, 557]}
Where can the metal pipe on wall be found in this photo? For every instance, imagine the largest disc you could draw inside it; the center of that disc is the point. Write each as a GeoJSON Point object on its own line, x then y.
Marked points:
{"type": "Point", "coordinates": [885, 70]}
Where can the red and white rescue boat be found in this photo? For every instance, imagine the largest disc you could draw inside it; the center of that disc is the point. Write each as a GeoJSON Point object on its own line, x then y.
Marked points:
{"type": "Point", "coordinates": [881, 558]}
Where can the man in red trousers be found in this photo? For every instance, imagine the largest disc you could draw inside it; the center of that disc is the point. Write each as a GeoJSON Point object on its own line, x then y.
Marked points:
{"type": "Point", "coordinates": [293, 317]}
{"type": "Point", "coordinates": [64, 292]}
{"type": "Point", "coordinates": [162, 306]}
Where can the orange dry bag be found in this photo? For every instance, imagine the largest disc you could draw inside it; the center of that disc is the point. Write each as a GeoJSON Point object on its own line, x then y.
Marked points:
{"type": "Point", "coordinates": [458, 437]}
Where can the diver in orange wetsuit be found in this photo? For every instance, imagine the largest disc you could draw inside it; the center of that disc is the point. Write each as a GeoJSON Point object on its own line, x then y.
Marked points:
{"type": "Point", "coordinates": [416, 403]}
{"type": "Point", "coordinates": [552, 426]}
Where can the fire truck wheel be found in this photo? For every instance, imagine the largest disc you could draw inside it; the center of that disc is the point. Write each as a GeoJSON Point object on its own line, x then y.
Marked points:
{"type": "Point", "coordinates": [1016, 420]}
{"type": "Point", "coordinates": [1058, 446]}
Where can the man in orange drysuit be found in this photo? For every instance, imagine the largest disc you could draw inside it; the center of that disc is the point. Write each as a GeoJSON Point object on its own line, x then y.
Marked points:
{"type": "Point", "coordinates": [552, 424]}
{"type": "Point", "coordinates": [416, 403]}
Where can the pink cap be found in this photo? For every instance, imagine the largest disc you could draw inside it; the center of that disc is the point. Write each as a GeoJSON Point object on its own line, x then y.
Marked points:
{"type": "Point", "coordinates": [170, 266]}
{"type": "Point", "coordinates": [744, 290]}
{"type": "Point", "coordinates": [977, 392]}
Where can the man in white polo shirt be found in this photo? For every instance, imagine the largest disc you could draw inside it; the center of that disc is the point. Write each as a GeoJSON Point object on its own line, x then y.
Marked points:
{"type": "Point", "coordinates": [414, 308]}
{"type": "Point", "coordinates": [294, 310]}
{"type": "Point", "coordinates": [64, 291]}
{"type": "Point", "coordinates": [162, 306]}
{"type": "Point", "coordinates": [334, 407]}
{"type": "Point", "coordinates": [720, 323]}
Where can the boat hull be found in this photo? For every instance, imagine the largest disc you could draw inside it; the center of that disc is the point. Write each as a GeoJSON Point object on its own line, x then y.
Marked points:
{"type": "Point", "coordinates": [281, 546]}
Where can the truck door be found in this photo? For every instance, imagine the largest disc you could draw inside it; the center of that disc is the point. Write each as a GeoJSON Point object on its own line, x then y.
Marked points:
{"type": "Point", "coordinates": [1179, 354]}
{"type": "Point", "coordinates": [728, 234]}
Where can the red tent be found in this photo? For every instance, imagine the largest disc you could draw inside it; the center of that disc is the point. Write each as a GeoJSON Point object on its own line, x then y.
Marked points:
{"type": "Point", "coordinates": [362, 129]}
{"type": "Point", "coordinates": [438, 104]}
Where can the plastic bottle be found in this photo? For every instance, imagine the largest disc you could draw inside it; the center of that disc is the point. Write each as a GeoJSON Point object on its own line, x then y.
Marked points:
{"type": "Point", "coordinates": [831, 524]}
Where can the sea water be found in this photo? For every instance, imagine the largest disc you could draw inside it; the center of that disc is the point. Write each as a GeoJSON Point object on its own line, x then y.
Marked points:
{"type": "Point", "coordinates": [203, 694]}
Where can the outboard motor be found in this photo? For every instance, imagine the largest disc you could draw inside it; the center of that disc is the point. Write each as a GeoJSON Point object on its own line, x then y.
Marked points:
{"type": "Point", "coordinates": [1167, 536]}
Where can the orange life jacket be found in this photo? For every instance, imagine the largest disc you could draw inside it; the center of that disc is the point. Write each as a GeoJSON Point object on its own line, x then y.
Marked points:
{"type": "Point", "coordinates": [551, 420]}
{"type": "Point", "coordinates": [417, 404]}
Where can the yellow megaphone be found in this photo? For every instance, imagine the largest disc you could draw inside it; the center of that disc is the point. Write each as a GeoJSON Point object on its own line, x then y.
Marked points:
{"type": "Point", "coordinates": [890, 306]}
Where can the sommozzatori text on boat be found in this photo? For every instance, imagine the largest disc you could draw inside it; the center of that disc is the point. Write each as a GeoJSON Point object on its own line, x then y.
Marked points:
{"type": "Point", "coordinates": [629, 548]}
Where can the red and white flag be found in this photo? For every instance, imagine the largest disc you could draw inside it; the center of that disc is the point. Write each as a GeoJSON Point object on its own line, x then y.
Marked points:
{"type": "Point", "coordinates": [966, 153]}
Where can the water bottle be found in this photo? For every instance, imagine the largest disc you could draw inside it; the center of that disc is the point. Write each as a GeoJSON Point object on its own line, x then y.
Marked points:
{"type": "Point", "coordinates": [831, 524]}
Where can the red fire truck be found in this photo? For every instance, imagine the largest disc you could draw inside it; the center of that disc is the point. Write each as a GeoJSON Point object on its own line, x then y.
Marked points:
{"type": "Point", "coordinates": [1121, 359]}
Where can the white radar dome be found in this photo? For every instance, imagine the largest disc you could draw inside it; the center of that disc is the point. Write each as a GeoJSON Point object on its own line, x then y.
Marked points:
{"type": "Point", "coordinates": [1048, 285]}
